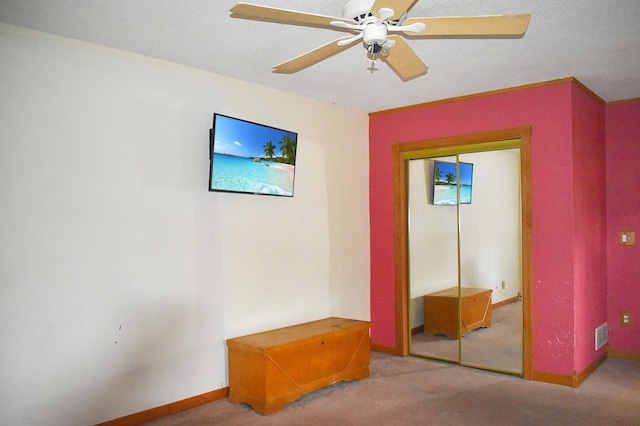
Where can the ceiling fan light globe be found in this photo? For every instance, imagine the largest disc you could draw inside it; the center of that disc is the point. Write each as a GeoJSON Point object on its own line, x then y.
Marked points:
{"type": "Point", "coordinates": [374, 34]}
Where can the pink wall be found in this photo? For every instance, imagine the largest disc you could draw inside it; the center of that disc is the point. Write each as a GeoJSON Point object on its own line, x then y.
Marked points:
{"type": "Point", "coordinates": [548, 109]}
{"type": "Point", "coordinates": [589, 249]}
{"type": "Point", "coordinates": [623, 214]}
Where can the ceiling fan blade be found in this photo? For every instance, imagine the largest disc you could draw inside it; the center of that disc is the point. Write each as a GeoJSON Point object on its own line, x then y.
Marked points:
{"type": "Point", "coordinates": [283, 16]}
{"type": "Point", "coordinates": [403, 60]}
{"type": "Point", "coordinates": [314, 56]}
{"type": "Point", "coordinates": [472, 26]}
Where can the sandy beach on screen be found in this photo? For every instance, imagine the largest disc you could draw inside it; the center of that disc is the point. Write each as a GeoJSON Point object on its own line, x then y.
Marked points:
{"type": "Point", "coordinates": [285, 167]}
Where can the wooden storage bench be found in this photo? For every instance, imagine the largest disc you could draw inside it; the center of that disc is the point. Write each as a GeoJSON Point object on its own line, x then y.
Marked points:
{"type": "Point", "coordinates": [270, 369]}
{"type": "Point", "coordinates": [441, 311]}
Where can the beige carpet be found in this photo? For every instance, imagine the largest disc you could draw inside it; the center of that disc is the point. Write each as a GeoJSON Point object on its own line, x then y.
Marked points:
{"type": "Point", "coordinates": [416, 391]}
{"type": "Point", "coordinates": [497, 347]}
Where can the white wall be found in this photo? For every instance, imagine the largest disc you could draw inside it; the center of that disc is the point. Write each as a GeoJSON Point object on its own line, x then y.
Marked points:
{"type": "Point", "coordinates": [489, 233]}
{"type": "Point", "coordinates": [491, 227]}
{"type": "Point", "coordinates": [121, 276]}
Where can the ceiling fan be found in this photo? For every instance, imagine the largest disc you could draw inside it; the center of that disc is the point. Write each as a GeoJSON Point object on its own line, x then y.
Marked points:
{"type": "Point", "coordinates": [379, 24]}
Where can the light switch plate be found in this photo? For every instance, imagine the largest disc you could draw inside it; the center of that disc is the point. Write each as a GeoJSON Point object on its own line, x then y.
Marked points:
{"type": "Point", "coordinates": [627, 238]}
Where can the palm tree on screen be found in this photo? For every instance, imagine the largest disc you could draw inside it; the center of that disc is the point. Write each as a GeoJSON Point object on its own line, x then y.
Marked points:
{"type": "Point", "coordinates": [438, 174]}
{"type": "Point", "coordinates": [269, 149]}
{"type": "Point", "coordinates": [451, 178]}
{"type": "Point", "coordinates": [288, 149]}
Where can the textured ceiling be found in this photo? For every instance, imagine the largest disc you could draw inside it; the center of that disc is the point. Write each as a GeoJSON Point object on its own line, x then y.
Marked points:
{"type": "Point", "coordinates": [598, 42]}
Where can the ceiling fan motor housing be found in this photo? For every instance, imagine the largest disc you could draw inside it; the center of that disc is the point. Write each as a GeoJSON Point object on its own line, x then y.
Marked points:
{"type": "Point", "coordinates": [360, 12]}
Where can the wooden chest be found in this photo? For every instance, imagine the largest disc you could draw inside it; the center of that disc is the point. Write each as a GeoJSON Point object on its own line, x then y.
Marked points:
{"type": "Point", "coordinates": [270, 369]}
{"type": "Point", "coordinates": [441, 311]}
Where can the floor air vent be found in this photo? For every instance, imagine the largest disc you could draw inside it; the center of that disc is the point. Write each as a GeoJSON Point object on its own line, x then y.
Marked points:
{"type": "Point", "coordinates": [601, 336]}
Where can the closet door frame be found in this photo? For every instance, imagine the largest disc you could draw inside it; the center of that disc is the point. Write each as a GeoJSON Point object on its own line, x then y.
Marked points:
{"type": "Point", "coordinates": [478, 142]}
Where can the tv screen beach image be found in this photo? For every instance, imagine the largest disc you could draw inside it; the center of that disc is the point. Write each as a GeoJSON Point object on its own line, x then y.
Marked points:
{"type": "Point", "coordinates": [252, 158]}
{"type": "Point", "coordinates": [445, 183]}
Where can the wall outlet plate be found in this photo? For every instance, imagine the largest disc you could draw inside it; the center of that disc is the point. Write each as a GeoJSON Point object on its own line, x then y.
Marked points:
{"type": "Point", "coordinates": [625, 318]}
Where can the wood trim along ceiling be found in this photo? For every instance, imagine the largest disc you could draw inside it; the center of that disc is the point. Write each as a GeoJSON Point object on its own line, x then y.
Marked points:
{"type": "Point", "coordinates": [497, 92]}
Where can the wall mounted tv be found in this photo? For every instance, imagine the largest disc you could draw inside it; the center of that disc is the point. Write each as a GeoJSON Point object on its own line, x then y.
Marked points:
{"type": "Point", "coordinates": [251, 158]}
{"type": "Point", "coordinates": [445, 181]}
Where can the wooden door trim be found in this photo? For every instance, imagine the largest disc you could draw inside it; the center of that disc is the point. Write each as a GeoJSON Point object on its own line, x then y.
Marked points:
{"type": "Point", "coordinates": [401, 152]}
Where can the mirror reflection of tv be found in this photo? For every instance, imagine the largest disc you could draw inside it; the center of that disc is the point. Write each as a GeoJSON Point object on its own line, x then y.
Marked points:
{"type": "Point", "coordinates": [445, 182]}
{"type": "Point", "coordinates": [251, 158]}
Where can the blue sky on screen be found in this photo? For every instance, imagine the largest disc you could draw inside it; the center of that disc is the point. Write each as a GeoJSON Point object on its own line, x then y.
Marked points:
{"type": "Point", "coordinates": [245, 139]}
{"type": "Point", "coordinates": [466, 171]}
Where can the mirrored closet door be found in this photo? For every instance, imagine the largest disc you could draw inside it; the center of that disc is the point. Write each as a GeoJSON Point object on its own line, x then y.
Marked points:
{"type": "Point", "coordinates": [464, 255]}
{"type": "Point", "coordinates": [433, 261]}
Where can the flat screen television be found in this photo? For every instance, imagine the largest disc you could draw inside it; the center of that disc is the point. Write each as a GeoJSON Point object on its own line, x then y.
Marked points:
{"type": "Point", "coordinates": [445, 182]}
{"type": "Point", "coordinates": [251, 158]}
